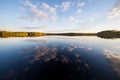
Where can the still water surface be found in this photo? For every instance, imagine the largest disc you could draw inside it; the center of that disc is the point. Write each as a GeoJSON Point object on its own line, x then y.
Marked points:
{"type": "Point", "coordinates": [59, 58]}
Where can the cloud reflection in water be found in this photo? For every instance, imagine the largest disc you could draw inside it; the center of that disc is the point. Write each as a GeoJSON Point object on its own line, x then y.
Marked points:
{"type": "Point", "coordinates": [50, 61]}
{"type": "Point", "coordinates": [114, 59]}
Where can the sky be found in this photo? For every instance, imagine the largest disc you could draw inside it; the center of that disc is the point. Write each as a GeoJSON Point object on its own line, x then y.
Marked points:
{"type": "Point", "coordinates": [59, 15]}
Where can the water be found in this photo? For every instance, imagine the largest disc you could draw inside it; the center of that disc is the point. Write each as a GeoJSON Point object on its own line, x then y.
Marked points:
{"type": "Point", "coordinates": [59, 58]}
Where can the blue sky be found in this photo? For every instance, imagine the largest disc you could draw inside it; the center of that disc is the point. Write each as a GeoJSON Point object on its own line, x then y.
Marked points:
{"type": "Point", "coordinates": [59, 15]}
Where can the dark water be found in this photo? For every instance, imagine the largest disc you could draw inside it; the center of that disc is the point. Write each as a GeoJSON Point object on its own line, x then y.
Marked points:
{"type": "Point", "coordinates": [56, 58]}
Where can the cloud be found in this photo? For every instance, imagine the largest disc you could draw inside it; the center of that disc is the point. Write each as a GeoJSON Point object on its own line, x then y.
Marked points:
{"type": "Point", "coordinates": [27, 3]}
{"type": "Point", "coordinates": [73, 3]}
{"type": "Point", "coordinates": [66, 6]}
{"type": "Point", "coordinates": [72, 19]}
{"type": "Point", "coordinates": [33, 28]}
{"type": "Point", "coordinates": [42, 13]}
{"type": "Point", "coordinates": [80, 4]}
{"type": "Point", "coordinates": [52, 10]}
{"type": "Point", "coordinates": [46, 12]}
{"type": "Point", "coordinates": [114, 12]}
{"type": "Point", "coordinates": [91, 19]}
{"type": "Point", "coordinates": [49, 8]}
{"type": "Point", "coordinates": [56, 6]}
{"type": "Point", "coordinates": [79, 11]}
{"type": "Point", "coordinates": [36, 14]}
{"type": "Point", "coordinates": [54, 18]}
{"type": "Point", "coordinates": [45, 6]}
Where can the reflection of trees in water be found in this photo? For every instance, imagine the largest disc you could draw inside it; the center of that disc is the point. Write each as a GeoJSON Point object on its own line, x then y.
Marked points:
{"type": "Point", "coordinates": [52, 62]}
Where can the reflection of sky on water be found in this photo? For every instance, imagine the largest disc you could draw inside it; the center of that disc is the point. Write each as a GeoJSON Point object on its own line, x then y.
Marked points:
{"type": "Point", "coordinates": [114, 59]}
{"type": "Point", "coordinates": [71, 58]}
{"type": "Point", "coordinates": [50, 54]}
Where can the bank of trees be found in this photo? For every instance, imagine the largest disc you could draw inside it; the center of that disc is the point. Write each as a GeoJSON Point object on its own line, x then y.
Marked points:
{"type": "Point", "coordinates": [102, 34]}
{"type": "Point", "coordinates": [109, 34]}
{"type": "Point", "coordinates": [20, 34]}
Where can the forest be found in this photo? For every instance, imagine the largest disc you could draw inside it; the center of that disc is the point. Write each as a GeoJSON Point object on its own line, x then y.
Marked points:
{"type": "Point", "coordinates": [109, 34]}
{"type": "Point", "coordinates": [20, 34]}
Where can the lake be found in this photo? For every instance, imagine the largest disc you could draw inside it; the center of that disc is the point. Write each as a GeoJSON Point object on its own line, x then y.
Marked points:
{"type": "Point", "coordinates": [59, 58]}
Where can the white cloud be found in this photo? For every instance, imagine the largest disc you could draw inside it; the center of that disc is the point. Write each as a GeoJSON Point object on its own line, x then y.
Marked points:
{"type": "Point", "coordinates": [33, 28]}
{"type": "Point", "coordinates": [83, 21]}
{"type": "Point", "coordinates": [52, 10]}
{"type": "Point", "coordinates": [72, 19]}
{"type": "Point", "coordinates": [80, 4]}
{"type": "Point", "coordinates": [54, 18]}
{"type": "Point", "coordinates": [115, 12]}
{"type": "Point", "coordinates": [27, 3]}
{"type": "Point", "coordinates": [89, 20]}
{"type": "Point", "coordinates": [66, 6]}
{"type": "Point", "coordinates": [43, 13]}
{"type": "Point", "coordinates": [49, 8]}
{"type": "Point", "coordinates": [36, 14]}
{"type": "Point", "coordinates": [92, 19]}
{"type": "Point", "coordinates": [73, 3]}
{"type": "Point", "coordinates": [79, 11]}
{"type": "Point", "coordinates": [56, 6]}
{"type": "Point", "coordinates": [45, 6]}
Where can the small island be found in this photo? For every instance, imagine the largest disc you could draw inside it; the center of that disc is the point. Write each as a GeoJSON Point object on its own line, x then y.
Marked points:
{"type": "Point", "coordinates": [109, 34]}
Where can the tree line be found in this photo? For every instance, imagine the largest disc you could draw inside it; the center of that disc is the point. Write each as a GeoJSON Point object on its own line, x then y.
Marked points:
{"type": "Point", "coordinates": [102, 34]}
{"type": "Point", "coordinates": [20, 34]}
{"type": "Point", "coordinates": [109, 34]}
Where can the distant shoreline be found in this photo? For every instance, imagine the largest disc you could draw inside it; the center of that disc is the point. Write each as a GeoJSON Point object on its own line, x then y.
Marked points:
{"type": "Point", "coordinates": [103, 34]}
{"type": "Point", "coordinates": [73, 34]}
